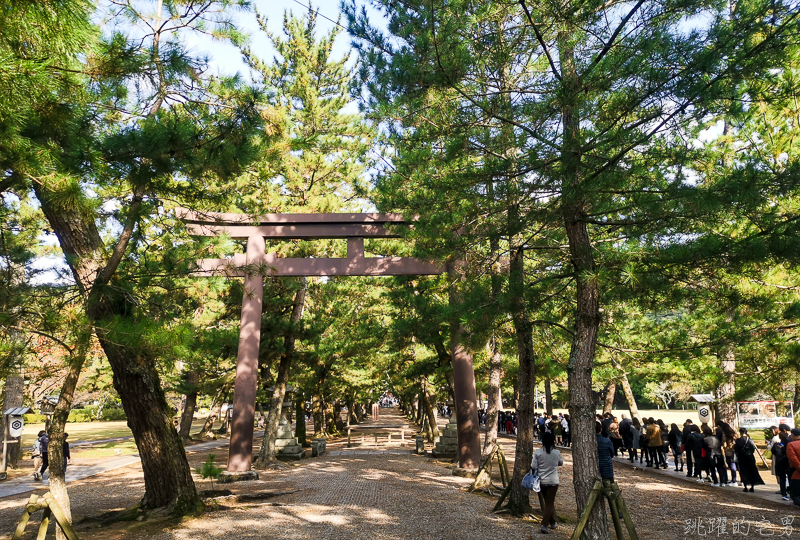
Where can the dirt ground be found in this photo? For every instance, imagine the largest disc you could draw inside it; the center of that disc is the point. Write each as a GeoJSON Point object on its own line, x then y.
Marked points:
{"type": "Point", "coordinates": [385, 491]}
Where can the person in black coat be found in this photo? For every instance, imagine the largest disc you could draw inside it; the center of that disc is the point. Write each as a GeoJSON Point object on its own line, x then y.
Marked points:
{"type": "Point", "coordinates": [745, 450]}
{"type": "Point", "coordinates": [694, 444]}
{"type": "Point", "coordinates": [687, 430]}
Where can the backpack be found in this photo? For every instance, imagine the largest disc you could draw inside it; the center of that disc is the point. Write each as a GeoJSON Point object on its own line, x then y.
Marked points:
{"type": "Point", "coordinates": [749, 448]}
{"type": "Point", "coordinates": [36, 449]}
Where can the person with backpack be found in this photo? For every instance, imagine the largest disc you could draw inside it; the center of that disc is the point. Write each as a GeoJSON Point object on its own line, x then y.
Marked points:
{"type": "Point", "coordinates": [36, 454]}
{"type": "Point", "coordinates": [780, 465]}
{"type": "Point", "coordinates": [745, 450]}
{"type": "Point", "coordinates": [793, 453]}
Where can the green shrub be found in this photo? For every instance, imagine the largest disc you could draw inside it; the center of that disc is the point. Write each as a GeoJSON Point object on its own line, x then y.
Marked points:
{"type": "Point", "coordinates": [35, 418]}
{"type": "Point", "coordinates": [114, 413]}
{"type": "Point", "coordinates": [80, 415]}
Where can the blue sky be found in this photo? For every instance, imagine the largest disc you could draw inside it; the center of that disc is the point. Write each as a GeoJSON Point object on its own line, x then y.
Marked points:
{"type": "Point", "coordinates": [226, 58]}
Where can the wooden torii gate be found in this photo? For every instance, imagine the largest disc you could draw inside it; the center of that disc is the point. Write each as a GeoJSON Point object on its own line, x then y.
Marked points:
{"type": "Point", "coordinates": [255, 263]}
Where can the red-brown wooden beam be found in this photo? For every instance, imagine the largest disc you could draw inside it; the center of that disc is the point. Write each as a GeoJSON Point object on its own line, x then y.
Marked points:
{"type": "Point", "coordinates": [220, 218]}
{"type": "Point", "coordinates": [355, 266]}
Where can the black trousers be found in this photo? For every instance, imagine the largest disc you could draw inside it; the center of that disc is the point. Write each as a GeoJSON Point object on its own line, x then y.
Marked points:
{"type": "Point", "coordinates": [549, 510]}
{"type": "Point", "coordinates": [45, 463]}
{"type": "Point", "coordinates": [794, 491]}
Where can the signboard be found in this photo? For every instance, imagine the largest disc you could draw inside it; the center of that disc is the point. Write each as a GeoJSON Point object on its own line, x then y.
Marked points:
{"type": "Point", "coordinates": [763, 414]}
{"type": "Point", "coordinates": [15, 424]}
{"type": "Point", "coordinates": [704, 412]}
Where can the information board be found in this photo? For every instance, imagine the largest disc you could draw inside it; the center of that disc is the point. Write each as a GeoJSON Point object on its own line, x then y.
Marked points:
{"type": "Point", "coordinates": [763, 414]}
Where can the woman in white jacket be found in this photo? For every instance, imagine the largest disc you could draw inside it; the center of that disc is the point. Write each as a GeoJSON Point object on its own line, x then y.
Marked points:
{"type": "Point", "coordinates": [546, 461]}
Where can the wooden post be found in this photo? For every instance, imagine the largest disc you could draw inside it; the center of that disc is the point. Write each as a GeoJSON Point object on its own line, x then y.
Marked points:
{"type": "Point", "coordinates": [26, 515]}
{"type": "Point", "coordinates": [612, 504]}
{"type": "Point", "coordinates": [626, 516]}
{"type": "Point", "coordinates": [501, 460]}
{"type": "Point", "coordinates": [596, 491]}
{"type": "Point", "coordinates": [45, 523]}
{"type": "Point", "coordinates": [503, 497]}
{"type": "Point", "coordinates": [50, 507]}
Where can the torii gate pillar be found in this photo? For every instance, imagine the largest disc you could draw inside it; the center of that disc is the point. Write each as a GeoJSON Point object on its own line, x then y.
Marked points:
{"type": "Point", "coordinates": [240, 454]}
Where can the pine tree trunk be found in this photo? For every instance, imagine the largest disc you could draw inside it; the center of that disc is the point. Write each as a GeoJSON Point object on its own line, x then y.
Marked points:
{"type": "Point", "coordinates": [167, 476]}
{"type": "Point", "coordinates": [629, 397]}
{"type": "Point", "coordinates": [215, 410]}
{"type": "Point", "coordinates": [548, 397]}
{"type": "Point", "coordinates": [330, 419]}
{"type": "Point", "coordinates": [300, 426]}
{"type": "Point", "coordinates": [493, 405]}
{"type": "Point", "coordinates": [317, 413]}
{"type": "Point", "coordinates": [611, 390]}
{"type": "Point", "coordinates": [433, 429]}
{"type": "Point", "coordinates": [587, 295]}
{"type": "Point", "coordinates": [168, 480]}
{"type": "Point", "coordinates": [519, 501]}
{"type": "Point", "coordinates": [726, 392]}
{"type": "Point", "coordinates": [189, 405]}
{"type": "Point", "coordinates": [796, 400]}
{"type": "Point", "coordinates": [359, 413]}
{"type": "Point", "coordinates": [57, 462]}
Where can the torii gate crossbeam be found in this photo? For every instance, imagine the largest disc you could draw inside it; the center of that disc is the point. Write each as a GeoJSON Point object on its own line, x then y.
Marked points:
{"type": "Point", "coordinates": [255, 263]}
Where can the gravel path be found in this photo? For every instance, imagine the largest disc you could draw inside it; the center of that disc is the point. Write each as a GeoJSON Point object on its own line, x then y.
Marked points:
{"type": "Point", "coordinates": [374, 495]}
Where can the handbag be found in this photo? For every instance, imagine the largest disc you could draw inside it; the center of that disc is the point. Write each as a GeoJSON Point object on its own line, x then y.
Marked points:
{"type": "Point", "coordinates": [532, 482]}
{"type": "Point", "coordinates": [768, 454]}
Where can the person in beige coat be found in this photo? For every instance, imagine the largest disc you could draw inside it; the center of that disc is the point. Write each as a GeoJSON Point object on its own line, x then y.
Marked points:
{"type": "Point", "coordinates": [546, 461]}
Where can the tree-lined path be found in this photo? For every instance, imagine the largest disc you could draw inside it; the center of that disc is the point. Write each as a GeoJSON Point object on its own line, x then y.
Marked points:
{"type": "Point", "coordinates": [388, 492]}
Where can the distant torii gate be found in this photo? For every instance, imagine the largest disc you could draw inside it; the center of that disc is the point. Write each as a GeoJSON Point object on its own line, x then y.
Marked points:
{"type": "Point", "coordinates": [256, 263]}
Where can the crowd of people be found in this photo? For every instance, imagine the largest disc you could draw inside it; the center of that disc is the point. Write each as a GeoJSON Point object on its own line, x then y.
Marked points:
{"type": "Point", "coordinates": [719, 455]}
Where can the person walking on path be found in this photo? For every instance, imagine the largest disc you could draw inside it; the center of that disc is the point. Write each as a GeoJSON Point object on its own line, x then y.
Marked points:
{"type": "Point", "coordinates": [687, 430]}
{"type": "Point", "coordinates": [745, 450]}
{"type": "Point", "coordinates": [546, 461]}
{"type": "Point", "coordinates": [654, 445]}
{"type": "Point", "coordinates": [727, 436]}
{"type": "Point", "coordinates": [44, 440]}
{"type": "Point", "coordinates": [694, 444]}
{"type": "Point", "coordinates": [614, 436]}
{"type": "Point", "coordinates": [565, 427]}
{"type": "Point", "coordinates": [635, 446]}
{"type": "Point", "coordinates": [65, 450]}
{"type": "Point", "coordinates": [676, 445]}
{"type": "Point", "coordinates": [625, 432]}
{"type": "Point", "coordinates": [715, 465]}
{"type": "Point", "coordinates": [793, 453]}
{"type": "Point", "coordinates": [36, 454]}
{"type": "Point", "coordinates": [780, 463]}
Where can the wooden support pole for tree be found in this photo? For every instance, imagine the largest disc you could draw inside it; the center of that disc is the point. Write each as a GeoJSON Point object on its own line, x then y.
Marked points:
{"type": "Point", "coordinates": [501, 459]}
{"type": "Point", "coordinates": [502, 498]}
{"type": "Point", "coordinates": [50, 507]}
{"type": "Point", "coordinates": [626, 516]}
{"type": "Point", "coordinates": [610, 490]}
{"type": "Point", "coordinates": [587, 510]}
{"type": "Point", "coordinates": [612, 504]}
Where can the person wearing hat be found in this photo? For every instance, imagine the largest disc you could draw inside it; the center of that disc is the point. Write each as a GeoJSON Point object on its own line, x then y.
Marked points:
{"type": "Point", "coordinates": [793, 453]}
